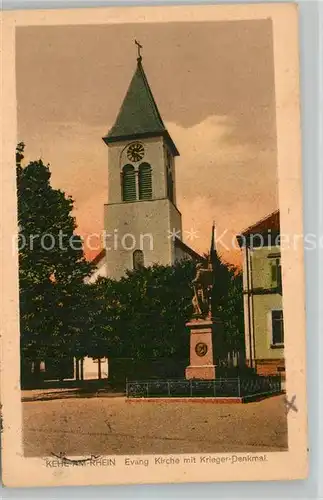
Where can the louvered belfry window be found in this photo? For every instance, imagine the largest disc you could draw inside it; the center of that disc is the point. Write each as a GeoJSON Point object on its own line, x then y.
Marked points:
{"type": "Point", "coordinates": [145, 184]}
{"type": "Point", "coordinates": [128, 183]}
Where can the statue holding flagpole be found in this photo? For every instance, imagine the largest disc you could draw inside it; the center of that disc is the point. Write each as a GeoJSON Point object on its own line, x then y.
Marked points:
{"type": "Point", "coordinates": [203, 284]}
{"type": "Point", "coordinates": [205, 329]}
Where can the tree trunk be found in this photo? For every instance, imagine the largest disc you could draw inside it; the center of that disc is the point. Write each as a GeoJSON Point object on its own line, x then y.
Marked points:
{"type": "Point", "coordinates": [37, 370]}
{"type": "Point", "coordinates": [99, 369]}
{"type": "Point", "coordinates": [82, 368]}
{"type": "Point", "coordinates": [77, 368]}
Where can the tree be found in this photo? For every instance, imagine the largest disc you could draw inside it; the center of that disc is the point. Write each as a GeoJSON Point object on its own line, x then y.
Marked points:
{"type": "Point", "coordinates": [233, 316]}
{"type": "Point", "coordinates": [142, 316]}
{"type": "Point", "coordinates": [52, 267]}
{"type": "Point", "coordinates": [161, 304]}
{"type": "Point", "coordinates": [227, 305]}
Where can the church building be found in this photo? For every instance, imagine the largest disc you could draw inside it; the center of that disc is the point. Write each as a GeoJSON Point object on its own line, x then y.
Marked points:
{"type": "Point", "coordinates": [143, 225]}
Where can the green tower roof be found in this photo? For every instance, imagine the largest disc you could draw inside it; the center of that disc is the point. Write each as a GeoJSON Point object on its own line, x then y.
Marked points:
{"type": "Point", "coordinates": [139, 116]}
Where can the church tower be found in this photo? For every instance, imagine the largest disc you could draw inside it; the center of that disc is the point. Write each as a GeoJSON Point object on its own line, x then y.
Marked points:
{"type": "Point", "coordinates": [141, 213]}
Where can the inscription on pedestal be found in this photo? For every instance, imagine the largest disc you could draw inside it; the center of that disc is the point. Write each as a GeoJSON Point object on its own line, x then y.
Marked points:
{"type": "Point", "coordinates": [201, 349]}
{"type": "Point", "coordinates": [202, 353]}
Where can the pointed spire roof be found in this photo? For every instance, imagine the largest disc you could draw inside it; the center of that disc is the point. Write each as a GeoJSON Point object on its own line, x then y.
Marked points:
{"type": "Point", "coordinates": [139, 116]}
{"type": "Point", "coordinates": [213, 259]}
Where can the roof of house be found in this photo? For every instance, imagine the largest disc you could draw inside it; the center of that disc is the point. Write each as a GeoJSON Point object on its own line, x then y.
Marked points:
{"type": "Point", "coordinates": [180, 244]}
{"type": "Point", "coordinates": [100, 256]}
{"type": "Point", "coordinates": [139, 116]}
{"type": "Point", "coordinates": [270, 222]}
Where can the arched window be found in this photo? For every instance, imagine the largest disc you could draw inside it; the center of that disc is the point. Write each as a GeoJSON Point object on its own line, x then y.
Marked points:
{"type": "Point", "coordinates": [138, 259]}
{"type": "Point", "coordinates": [128, 183]}
{"type": "Point", "coordinates": [145, 184]}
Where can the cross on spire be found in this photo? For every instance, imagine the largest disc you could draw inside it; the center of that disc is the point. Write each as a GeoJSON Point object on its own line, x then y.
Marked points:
{"type": "Point", "coordinates": [139, 58]}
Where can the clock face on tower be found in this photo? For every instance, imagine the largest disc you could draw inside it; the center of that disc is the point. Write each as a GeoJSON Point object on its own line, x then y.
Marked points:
{"type": "Point", "coordinates": [135, 152]}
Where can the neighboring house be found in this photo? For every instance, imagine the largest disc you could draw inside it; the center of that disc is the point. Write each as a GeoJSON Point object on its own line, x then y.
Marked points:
{"type": "Point", "coordinates": [262, 289]}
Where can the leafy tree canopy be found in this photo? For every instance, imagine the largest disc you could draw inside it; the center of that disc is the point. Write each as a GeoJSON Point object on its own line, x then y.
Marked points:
{"type": "Point", "coordinates": [52, 266]}
{"type": "Point", "coordinates": [143, 315]}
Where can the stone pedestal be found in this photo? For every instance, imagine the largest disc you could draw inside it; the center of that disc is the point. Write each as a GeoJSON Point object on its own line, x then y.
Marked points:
{"type": "Point", "coordinates": [202, 349]}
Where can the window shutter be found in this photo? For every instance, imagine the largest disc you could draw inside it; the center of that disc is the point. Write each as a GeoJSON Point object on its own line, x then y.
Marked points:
{"type": "Point", "coordinates": [145, 183]}
{"type": "Point", "coordinates": [279, 274]}
{"type": "Point", "coordinates": [128, 183]}
{"type": "Point", "coordinates": [273, 273]}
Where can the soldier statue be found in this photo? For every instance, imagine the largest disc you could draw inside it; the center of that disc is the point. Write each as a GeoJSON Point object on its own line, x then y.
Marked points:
{"type": "Point", "coordinates": [203, 285]}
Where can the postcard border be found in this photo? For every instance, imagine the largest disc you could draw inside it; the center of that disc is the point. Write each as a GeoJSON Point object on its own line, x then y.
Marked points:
{"type": "Point", "coordinates": [281, 465]}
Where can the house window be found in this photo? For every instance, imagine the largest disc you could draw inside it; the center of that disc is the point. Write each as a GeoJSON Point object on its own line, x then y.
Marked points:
{"type": "Point", "coordinates": [138, 259]}
{"type": "Point", "coordinates": [276, 273]}
{"type": "Point", "coordinates": [145, 184]}
{"type": "Point", "coordinates": [277, 328]}
{"type": "Point", "coordinates": [128, 183]}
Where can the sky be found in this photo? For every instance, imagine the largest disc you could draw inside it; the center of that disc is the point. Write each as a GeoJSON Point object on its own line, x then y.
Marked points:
{"type": "Point", "coordinates": [214, 86]}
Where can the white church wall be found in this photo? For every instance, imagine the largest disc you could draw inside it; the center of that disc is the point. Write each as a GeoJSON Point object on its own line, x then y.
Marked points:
{"type": "Point", "coordinates": [176, 219]}
{"type": "Point", "coordinates": [141, 225]}
{"type": "Point", "coordinates": [91, 369]}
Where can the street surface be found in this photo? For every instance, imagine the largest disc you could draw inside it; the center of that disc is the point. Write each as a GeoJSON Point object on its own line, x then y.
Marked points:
{"type": "Point", "coordinates": [112, 425]}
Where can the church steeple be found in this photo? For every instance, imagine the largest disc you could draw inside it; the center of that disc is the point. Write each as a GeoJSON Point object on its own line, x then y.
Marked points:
{"type": "Point", "coordinates": [139, 116]}
{"type": "Point", "coordinates": [141, 183]}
